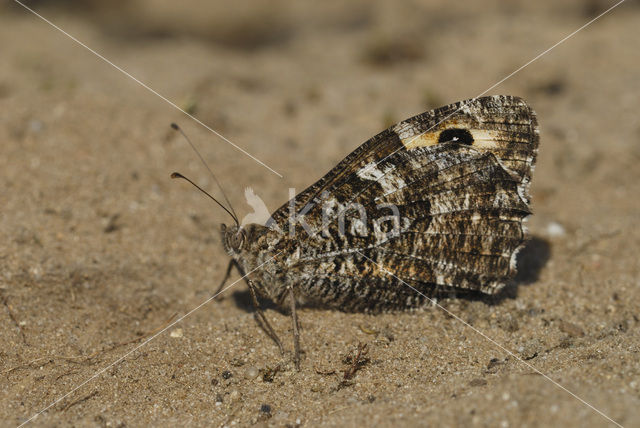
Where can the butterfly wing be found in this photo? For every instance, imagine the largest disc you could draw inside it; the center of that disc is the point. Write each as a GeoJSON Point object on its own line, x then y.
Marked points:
{"type": "Point", "coordinates": [457, 178]}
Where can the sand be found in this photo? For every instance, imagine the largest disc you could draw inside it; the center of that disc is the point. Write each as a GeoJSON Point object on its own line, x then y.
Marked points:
{"type": "Point", "coordinates": [100, 249]}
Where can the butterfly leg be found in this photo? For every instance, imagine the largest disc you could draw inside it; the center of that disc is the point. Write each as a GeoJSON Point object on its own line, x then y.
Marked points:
{"type": "Point", "coordinates": [261, 319]}
{"type": "Point", "coordinates": [434, 295]}
{"type": "Point", "coordinates": [230, 266]}
{"type": "Point", "coordinates": [296, 331]}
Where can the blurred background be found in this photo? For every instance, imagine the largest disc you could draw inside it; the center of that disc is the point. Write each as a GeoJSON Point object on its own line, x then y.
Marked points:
{"type": "Point", "coordinates": [312, 78]}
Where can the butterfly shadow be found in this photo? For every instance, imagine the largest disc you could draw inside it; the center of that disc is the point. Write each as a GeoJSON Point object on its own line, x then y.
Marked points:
{"type": "Point", "coordinates": [531, 259]}
{"type": "Point", "coordinates": [242, 300]}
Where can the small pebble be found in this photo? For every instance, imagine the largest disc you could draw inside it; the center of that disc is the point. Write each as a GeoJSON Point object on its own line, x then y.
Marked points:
{"type": "Point", "coordinates": [251, 372]}
{"type": "Point", "coordinates": [35, 126]}
{"type": "Point", "coordinates": [555, 230]}
{"type": "Point", "coordinates": [530, 349]}
{"type": "Point", "coordinates": [176, 333]}
{"type": "Point", "coordinates": [265, 408]}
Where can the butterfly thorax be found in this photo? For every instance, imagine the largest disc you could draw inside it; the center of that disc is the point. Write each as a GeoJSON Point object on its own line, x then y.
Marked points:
{"type": "Point", "coordinates": [252, 247]}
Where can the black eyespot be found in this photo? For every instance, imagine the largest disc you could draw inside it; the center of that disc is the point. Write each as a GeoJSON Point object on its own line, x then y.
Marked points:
{"type": "Point", "coordinates": [462, 136]}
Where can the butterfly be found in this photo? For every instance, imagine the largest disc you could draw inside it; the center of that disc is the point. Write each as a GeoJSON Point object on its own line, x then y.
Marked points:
{"type": "Point", "coordinates": [438, 199]}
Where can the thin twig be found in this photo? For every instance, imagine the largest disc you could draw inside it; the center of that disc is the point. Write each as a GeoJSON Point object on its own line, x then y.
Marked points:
{"type": "Point", "coordinates": [66, 374]}
{"type": "Point", "coordinates": [19, 366]}
{"type": "Point", "coordinates": [78, 401]}
{"type": "Point", "coordinates": [5, 302]}
{"type": "Point", "coordinates": [357, 361]}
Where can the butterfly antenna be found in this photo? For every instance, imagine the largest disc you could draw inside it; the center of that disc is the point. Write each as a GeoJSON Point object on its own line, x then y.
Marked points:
{"type": "Point", "coordinates": [178, 175]}
{"type": "Point", "coordinates": [224, 195]}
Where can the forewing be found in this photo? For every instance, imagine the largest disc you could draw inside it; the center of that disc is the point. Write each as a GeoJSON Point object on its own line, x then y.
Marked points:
{"type": "Point", "coordinates": [459, 178]}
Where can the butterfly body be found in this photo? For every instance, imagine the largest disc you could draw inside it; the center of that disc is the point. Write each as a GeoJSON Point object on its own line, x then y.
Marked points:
{"type": "Point", "coordinates": [438, 200]}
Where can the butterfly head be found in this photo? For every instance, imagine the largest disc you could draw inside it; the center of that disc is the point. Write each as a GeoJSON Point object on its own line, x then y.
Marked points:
{"type": "Point", "coordinates": [233, 238]}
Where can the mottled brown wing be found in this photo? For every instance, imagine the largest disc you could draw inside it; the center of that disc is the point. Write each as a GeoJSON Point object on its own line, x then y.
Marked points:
{"type": "Point", "coordinates": [459, 178]}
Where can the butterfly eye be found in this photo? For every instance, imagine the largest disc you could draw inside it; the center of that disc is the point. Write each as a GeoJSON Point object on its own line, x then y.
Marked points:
{"type": "Point", "coordinates": [238, 240]}
{"type": "Point", "coordinates": [462, 136]}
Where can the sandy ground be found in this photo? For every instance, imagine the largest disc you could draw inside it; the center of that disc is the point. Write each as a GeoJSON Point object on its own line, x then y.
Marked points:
{"type": "Point", "coordinates": [99, 249]}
